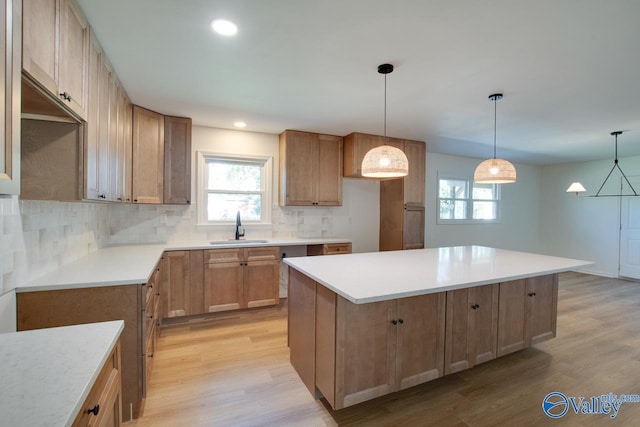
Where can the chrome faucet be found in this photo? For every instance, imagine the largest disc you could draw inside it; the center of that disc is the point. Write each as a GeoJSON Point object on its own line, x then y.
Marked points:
{"type": "Point", "coordinates": [238, 224]}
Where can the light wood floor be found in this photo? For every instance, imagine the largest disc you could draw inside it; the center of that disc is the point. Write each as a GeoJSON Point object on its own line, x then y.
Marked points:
{"type": "Point", "coordinates": [236, 372]}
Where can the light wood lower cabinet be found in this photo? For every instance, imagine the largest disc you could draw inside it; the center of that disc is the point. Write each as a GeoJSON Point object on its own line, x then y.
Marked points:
{"type": "Point", "coordinates": [182, 290]}
{"type": "Point", "coordinates": [103, 406]}
{"type": "Point", "coordinates": [528, 311]}
{"type": "Point", "coordinates": [241, 278]}
{"type": "Point", "coordinates": [137, 304]}
{"type": "Point", "coordinates": [351, 353]}
{"type": "Point", "coordinates": [472, 327]}
{"type": "Point", "coordinates": [329, 249]}
{"type": "Point", "coordinates": [401, 223]}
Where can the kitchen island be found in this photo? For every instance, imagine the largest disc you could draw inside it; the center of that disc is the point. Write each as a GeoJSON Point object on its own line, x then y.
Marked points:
{"type": "Point", "coordinates": [365, 325]}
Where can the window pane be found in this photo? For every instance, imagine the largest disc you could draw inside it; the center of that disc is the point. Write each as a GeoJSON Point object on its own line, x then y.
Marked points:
{"type": "Point", "coordinates": [484, 192]}
{"type": "Point", "coordinates": [232, 176]}
{"type": "Point", "coordinates": [484, 210]}
{"type": "Point", "coordinates": [453, 188]}
{"type": "Point", "coordinates": [453, 209]}
{"type": "Point", "coordinates": [224, 206]}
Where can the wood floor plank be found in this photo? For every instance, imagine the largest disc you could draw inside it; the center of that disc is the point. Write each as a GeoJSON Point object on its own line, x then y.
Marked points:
{"type": "Point", "coordinates": [235, 372]}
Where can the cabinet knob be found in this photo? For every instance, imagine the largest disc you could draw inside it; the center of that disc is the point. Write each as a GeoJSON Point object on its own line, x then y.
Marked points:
{"type": "Point", "coordinates": [475, 306]}
{"type": "Point", "coordinates": [400, 321]}
{"type": "Point", "coordinates": [532, 294]}
{"type": "Point", "coordinates": [150, 355]}
{"type": "Point", "coordinates": [135, 200]}
{"type": "Point", "coordinates": [150, 317]}
{"type": "Point", "coordinates": [188, 202]}
{"type": "Point", "coordinates": [394, 321]}
{"type": "Point", "coordinates": [102, 196]}
{"type": "Point", "coordinates": [119, 199]}
{"type": "Point", "coordinates": [65, 96]}
{"type": "Point", "coordinates": [94, 410]}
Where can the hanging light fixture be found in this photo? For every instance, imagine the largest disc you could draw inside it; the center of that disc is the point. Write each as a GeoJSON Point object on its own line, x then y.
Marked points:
{"type": "Point", "coordinates": [495, 171]}
{"type": "Point", "coordinates": [385, 161]}
{"type": "Point", "coordinates": [577, 187]}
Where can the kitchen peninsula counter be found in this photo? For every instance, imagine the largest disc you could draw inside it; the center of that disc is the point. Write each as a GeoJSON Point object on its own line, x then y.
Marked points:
{"type": "Point", "coordinates": [366, 325]}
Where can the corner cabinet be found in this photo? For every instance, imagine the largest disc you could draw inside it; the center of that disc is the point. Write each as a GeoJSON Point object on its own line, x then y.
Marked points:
{"type": "Point", "coordinates": [310, 169]}
{"type": "Point", "coordinates": [148, 156]}
{"type": "Point", "coordinates": [56, 51]}
{"type": "Point", "coordinates": [10, 47]}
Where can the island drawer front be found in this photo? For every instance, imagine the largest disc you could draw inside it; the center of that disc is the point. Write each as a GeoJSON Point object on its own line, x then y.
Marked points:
{"type": "Point", "coordinates": [104, 395]}
{"type": "Point", "coordinates": [215, 256]}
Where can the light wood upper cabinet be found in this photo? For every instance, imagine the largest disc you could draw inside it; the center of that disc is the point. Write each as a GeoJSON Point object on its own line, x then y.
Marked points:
{"type": "Point", "coordinates": [471, 327]}
{"type": "Point", "coordinates": [10, 107]}
{"type": "Point", "coordinates": [401, 223]}
{"type": "Point", "coordinates": [177, 160]}
{"type": "Point", "coordinates": [528, 310]}
{"type": "Point", "coordinates": [356, 146]}
{"type": "Point", "coordinates": [414, 183]}
{"type": "Point", "coordinates": [148, 156]}
{"type": "Point", "coordinates": [310, 169]}
{"type": "Point", "coordinates": [56, 51]}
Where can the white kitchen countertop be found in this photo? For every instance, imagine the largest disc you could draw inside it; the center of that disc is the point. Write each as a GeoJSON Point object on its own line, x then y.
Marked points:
{"type": "Point", "coordinates": [47, 374]}
{"type": "Point", "coordinates": [380, 276]}
{"type": "Point", "coordinates": [134, 264]}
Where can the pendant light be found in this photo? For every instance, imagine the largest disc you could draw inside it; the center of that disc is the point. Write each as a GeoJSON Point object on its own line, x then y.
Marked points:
{"type": "Point", "coordinates": [577, 187]}
{"type": "Point", "coordinates": [385, 161]}
{"type": "Point", "coordinates": [495, 171]}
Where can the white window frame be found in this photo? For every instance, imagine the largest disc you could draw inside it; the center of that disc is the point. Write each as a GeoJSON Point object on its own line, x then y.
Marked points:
{"type": "Point", "coordinates": [469, 211]}
{"type": "Point", "coordinates": [266, 163]}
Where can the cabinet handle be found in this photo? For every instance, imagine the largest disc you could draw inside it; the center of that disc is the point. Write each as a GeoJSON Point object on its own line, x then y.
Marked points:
{"type": "Point", "coordinates": [94, 410]}
{"type": "Point", "coordinates": [188, 202]}
{"type": "Point", "coordinates": [119, 199]}
{"type": "Point", "coordinates": [394, 321]}
{"type": "Point", "coordinates": [400, 321]}
{"type": "Point", "coordinates": [150, 317]}
{"type": "Point", "coordinates": [150, 355]}
{"type": "Point", "coordinates": [532, 294]}
{"type": "Point", "coordinates": [65, 96]}
{"type": "Point", "coordinates": [475, 306]}
{"type": "Point", "coordinates": [135, 200]}
{"type": "Point", "coordinates": [102, 196]}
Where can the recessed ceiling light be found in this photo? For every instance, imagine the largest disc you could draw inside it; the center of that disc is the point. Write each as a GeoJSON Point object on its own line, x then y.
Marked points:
{"type": "Point", "coordinates": [240, 124]}
{"type": "Point", "coordinates": [224, 27]}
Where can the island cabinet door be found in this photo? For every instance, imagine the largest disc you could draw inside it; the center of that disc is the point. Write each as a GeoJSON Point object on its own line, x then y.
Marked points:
{"type": "Point", "coordinates": [542, 299]}
{"type": "Point", "coordinates": [512, 316]}
{"type": "Point", "coordinates": [420, 326]}
{"type": "Point", "coordinates": [365, 358]}
{"type": "Point", "coordinates": [471, 327]}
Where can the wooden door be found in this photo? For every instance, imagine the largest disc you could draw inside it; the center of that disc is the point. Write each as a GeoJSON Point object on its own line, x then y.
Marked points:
{"type": "Point", "coordinates": [40, 42]}
{"type": "Point", "coordinates": [177, 160]}
{"type": "Point", "coordinates": [10, 50]}
{"type": "Point", "coordinates": [365, 351]}
{"type": "Point", "coordinates": [413, 227]}
{"type": "Point", "coordinates": [223, 280]}
{"type": "Point", "coordinates": [329, 171]}
{"type": "Point", "coordinates": [457, 356]}
{"type": "Point", "coordinates": [542, 299]}
{"type": "Point", "coordinates": [298, 160]}
{"type": "Point", "coordinates": [512, 316]}
{"type": "Point", "coordinates": [74, 61]}
{"type": "Point", "coordinates": [128, 147]}
{"type": "Point", "coordinates": [356, 146]}
{"type": "Point", "coordinates": [261, 283]}
{"type": "Point", "coordinates": [148, 156]}
{"type": "Point", "coordinates": [391, 215]}
{"type": "Point", "coordinates": [115, 153]}
{"type": "Point", "coordinates": [414, 183]}
{"type": "Point", "coordinates": [124, 147]}
{"type": "Point", "coordinates": [177, 281]}
{"type": "Point", "coordinates": [106, 161]}
{"type": "Point", "coordinates": [420, 339]}
{"type": "Point", "coordinates": [91, 149]}
{"type": "Point", "coordinates": [483, 323]}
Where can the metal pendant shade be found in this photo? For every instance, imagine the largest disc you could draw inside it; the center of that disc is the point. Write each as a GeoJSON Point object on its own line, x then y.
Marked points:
{"type": "Point", "coordinates": [495, 170]}
{"type": "Point", "coordinates": [385, 161]}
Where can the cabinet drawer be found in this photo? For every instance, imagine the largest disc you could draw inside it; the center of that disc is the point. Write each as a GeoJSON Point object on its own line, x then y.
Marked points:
{"type": "Point", "coordinates": [262, 253]}
{"type": "Point", "coordinates": [104, 395]}
{"type": "Point", "coordinates": [213, 256]}
{"type": "Point", "coordinates": [329, 249]}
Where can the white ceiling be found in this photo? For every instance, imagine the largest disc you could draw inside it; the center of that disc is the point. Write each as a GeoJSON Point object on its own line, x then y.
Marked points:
{"type": "Point", "coordinates": [569, 69]}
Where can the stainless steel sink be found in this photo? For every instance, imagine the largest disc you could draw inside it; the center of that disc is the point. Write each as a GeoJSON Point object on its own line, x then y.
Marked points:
{"type": "Point", "coordinates": [237, 242]}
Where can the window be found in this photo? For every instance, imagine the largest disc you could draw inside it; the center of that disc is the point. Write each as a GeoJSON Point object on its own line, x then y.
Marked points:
{"type": "Point", "coordinates": [231, 184]}
{"type": "Point", "coordinates": [462, 201]}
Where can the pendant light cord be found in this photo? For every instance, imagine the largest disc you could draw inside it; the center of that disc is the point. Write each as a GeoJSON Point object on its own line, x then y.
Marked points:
{"type": "Point", "coordinates": [385, 109]}
{"type": "Point", "coordinates": [495, 114]}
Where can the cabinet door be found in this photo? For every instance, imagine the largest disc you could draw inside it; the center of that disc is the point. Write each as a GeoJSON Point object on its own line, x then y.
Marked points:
{"type": "Point", "coordinates": [542, 296]}
{"type": "Point", "coordinates": [223, 286]}
{"type": "Point", "coordinates": [148, 156]}
{"type": "Point", "coordinates": [73, 61]}
{"type": "Point", "coordinates": [114, 150]}
{"type": "Point", "coordinates": [298, 159]}
{"type": "Point", "coordinates": [483, 323]}
{"type": "Point", "coordinates": [356, 146]}
{"type": "Point", "coordinates": [261, 283]}
{"type": "Point", "coordinates": [91, 149]}
{"type": "Point", "coordinates": [457, 356]}
{"type": "Point", "coordinates": [10, 50]}
{"type": "Point", "coordinates": [177, 160]}
{"type": "Point", "coordinates": [413, 227]}
{"type": "Point", "coordinates": [420, 340]}
{"type": "Point", "coordinates": [106, 161]}
{"type": "Point", "coordinates": [124, 147]}
{"type": "Point", "coordinates": [176, 271]}
{"type": "Point", "coordinates": [329, 171]}
{"type": "Point", "coordinates": [365, 351]}
{"type": "Point", "coordinates": [40, 43]}
{"type": "Point", "coordinates": [512, 317]}
{"type": "Point", "coordinates": [414, 183]}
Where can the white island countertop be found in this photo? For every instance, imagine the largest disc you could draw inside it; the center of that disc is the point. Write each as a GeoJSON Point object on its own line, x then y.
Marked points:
{"type": "Point", "coordinates": [380, 276]}
{"type": "Point", "coordinates": [47, 374]}
{"type": "Point", "coordinates": [134, 264]}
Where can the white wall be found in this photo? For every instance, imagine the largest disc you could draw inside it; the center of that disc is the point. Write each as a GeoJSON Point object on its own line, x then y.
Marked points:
{"type": "Point", "coordinates": [584, 227]}
{"type": "Point", "coordinates": [519, 226]}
